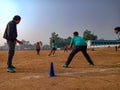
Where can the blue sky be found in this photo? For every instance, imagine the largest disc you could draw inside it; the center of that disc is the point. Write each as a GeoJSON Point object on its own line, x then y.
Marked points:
{"type": "Point", "coordinates": [42, 17]}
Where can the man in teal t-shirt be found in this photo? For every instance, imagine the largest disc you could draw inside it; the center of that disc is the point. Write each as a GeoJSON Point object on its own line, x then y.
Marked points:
{"type": "Point", "coordinates": [54, 47]}
{"type": "Point", "coordinates": [79, 45]}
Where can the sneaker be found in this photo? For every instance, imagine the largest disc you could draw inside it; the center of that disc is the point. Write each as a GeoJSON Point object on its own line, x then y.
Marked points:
{"type": "Point", "coordinates": [65, 66]}
{"type": "Point", "coordinates": [12, 66]}
{"type": "Point", "coordinates": [11, 70]}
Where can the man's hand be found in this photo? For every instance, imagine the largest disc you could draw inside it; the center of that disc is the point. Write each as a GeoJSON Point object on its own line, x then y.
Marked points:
{"type": "Point", "coordinates": [18, 41]}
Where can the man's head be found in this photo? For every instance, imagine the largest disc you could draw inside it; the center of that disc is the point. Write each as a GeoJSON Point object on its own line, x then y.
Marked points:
{"type": "Point", "coordinates": [37, 42]}
{"type": "Point", "coordinates": [117, 29]}
{"type": "Point", "coordinates": [17, 19]}
{"type": "Point", "coordinates": [75, 33]}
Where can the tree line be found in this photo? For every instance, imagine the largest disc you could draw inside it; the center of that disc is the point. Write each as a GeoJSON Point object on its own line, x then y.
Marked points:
{"type": "Point", "coordinates": [60, 42]}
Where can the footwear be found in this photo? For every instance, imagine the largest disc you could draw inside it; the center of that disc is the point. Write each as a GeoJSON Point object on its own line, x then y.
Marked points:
{"type": "Point", "coordinates": [11, 70]}
{"type": "Point", "coordinates": [12, 66]}
{"type": "Point", "coordinates": [65, 66]}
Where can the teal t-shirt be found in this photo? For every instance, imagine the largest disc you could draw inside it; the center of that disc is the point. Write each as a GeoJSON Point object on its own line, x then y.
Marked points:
{"type": "Point", "coordinates": [78, 41]}
{"type": "Point", "coordinates": [54, 45]}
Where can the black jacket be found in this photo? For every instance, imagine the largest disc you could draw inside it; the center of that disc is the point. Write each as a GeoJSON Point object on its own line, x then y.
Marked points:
{"type": "Point", "coordinates": [10, 31]}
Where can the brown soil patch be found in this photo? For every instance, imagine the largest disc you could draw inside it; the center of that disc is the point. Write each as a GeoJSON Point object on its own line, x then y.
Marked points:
{"type": "Point", "coordinates": [32, 71]}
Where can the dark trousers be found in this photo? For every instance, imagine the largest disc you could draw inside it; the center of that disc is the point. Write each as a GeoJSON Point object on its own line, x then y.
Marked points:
{"type": "Point", "coordinates": [52, 51]}
{"type": "Point", "coordinates": [11, 51]}
{"type": "Point", "coordinates": [75, 50]}
{"type": "Point", "coordinates": [38, 51]}
{"type": "Point", "coordinates": [65, 50]}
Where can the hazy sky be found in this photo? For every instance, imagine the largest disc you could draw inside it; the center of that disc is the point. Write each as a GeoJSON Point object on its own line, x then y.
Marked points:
{"type": "Point", "coordinates": [42, 17]}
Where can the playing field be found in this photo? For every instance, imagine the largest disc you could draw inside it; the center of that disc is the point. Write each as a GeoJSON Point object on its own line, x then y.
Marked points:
{"type": "Point", "coordinates": [32, 71]}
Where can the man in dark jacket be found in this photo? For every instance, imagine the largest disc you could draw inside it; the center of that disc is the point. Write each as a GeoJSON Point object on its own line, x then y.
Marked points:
{"type": "Point", "coordinates": [10, 35]}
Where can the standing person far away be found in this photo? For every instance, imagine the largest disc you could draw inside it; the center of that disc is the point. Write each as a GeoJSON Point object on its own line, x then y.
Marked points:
{"type": "Point", "coordinates": [38, 48]}
{"type": "Point", "coordinates": [10, 35]}
{"type": "Point", "coordinates": [117, 31]}
{"type": "Point", "coordinates": [79, 45]}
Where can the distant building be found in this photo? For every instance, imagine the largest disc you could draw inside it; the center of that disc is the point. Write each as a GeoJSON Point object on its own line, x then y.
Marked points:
{"type": "Point", "coordinates": [103, 43]}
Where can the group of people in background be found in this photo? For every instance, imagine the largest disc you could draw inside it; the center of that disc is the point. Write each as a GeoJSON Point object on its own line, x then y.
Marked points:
{"type": "Point", "coordinates": [77, 44]}
{"type": "Point", "coordinates": [52, 52]}
{"type": "Point", "coordinates": [53, 48]}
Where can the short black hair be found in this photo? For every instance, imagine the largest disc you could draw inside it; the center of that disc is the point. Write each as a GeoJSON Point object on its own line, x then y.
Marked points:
{"type": "Point", "coordinates": [37, 42]}
{"type": "Point", "coordinates": [16, 17]}
{"type": "Point", "coordinates": [117, 28]}
{"type": "Point", "coordinates": [75, 33]}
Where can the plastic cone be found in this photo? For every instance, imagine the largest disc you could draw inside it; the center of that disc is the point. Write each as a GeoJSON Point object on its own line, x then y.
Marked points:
{"type": "Point", "coordinates": [51, 72]}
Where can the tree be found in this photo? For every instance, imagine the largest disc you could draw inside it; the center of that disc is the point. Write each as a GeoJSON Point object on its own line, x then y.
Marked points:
{"type": "Point", "coordinates": [26, 45]}
{"type": "Point", "coordinates": [40, 43]}
{"type": "Point", "coordinates": [60, 42]}
{"type": "Point", "coordinates": [88, 36]}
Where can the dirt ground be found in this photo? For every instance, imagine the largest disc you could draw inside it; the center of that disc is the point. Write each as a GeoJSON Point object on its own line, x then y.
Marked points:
{"type": "Point", "coordinates": [32, 71]}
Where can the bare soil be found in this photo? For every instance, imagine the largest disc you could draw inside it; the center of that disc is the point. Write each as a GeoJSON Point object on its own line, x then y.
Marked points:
{"type": "Point", "coordinates": [32, 71]}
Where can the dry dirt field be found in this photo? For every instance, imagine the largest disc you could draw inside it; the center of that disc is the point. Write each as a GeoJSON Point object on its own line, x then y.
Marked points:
{"type": "Point", "coordinates": [32, 71]}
